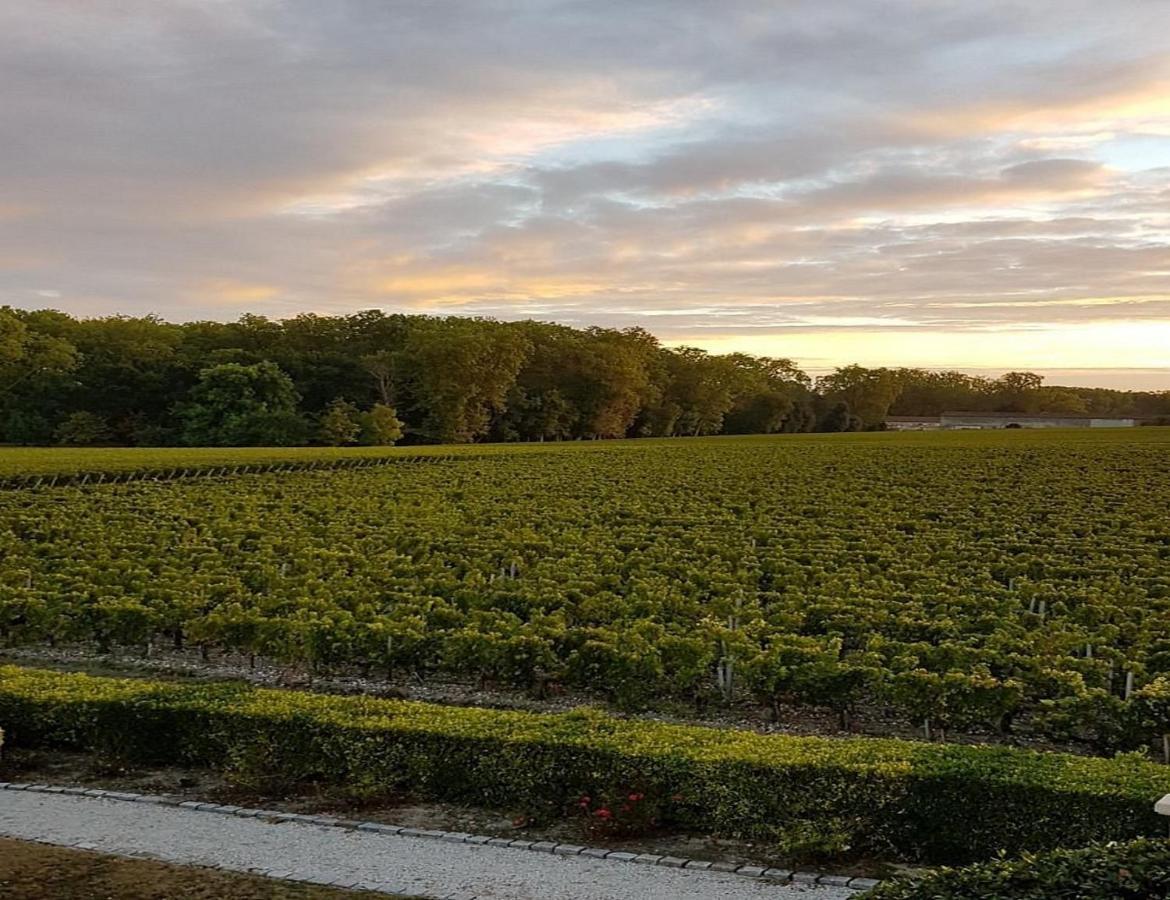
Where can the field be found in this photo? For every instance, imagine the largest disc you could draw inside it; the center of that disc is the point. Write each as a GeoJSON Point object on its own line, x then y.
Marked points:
{"type": "Point", "coordinates": [958, 580]}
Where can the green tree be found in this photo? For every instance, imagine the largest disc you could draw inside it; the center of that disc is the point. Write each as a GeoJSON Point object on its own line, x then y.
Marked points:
{"type": "Point", "coordinates": [1061, 401]}
{"type": "Point", "coordinates": [83, 429]}
{"type": "Point", "coordinates": [839, 418]}
{"type": "Point", "coordinates": [1018, 391]}
{"type": "Point", "coordinates": [339, 424]}
{"type": "Point", "coordinates": [27, 427]}
{"type": "Point", "coordinates": [26, 351]}
{"type": "Point", "coordinates": [380, 367]}
{"type": "Point", "coordinates": [457, 373]}
{"type": "Point", "coordinates": [701, 387]}
{"type": "Point", "coordinates": [802, 417]}
{"type": "Point", "coordinates": [236, 405]}
{"type": "Point", "coordinates": [542, 403]}
{"type": "Point", "coordinates": [609, 380]}
{"type": "Point", "coordinates": [869, 392]}
{"type": "Point", "coordinates": [380, 426]}
{"type": "Point", "coordinates": [764, 392]}
{"type": "Point", "coordinates": [926, 393]}
{"type": "Point", "coordinates": [34, 375]}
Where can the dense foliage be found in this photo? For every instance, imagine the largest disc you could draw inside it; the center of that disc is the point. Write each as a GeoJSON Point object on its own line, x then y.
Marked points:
{"type": "Point", "coordinates": [1137, 870]}
{"type": "Point", "coordinates": [956, 580]}
{"type": "Point", "coordinates": [921, 801]}
{"type": "Point", "coordinates": [372, 378]}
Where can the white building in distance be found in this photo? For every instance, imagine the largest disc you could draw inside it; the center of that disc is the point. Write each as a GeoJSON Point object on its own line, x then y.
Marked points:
{"type": "Point", "coordinates": [954, 420]}
{"type": "Point", "coordinates": [957, 421]}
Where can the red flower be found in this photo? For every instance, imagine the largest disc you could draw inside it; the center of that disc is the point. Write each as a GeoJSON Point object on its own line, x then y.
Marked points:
{"type": "Point", "coordinates": [634, 798]}
{"type": "Point", "coordinates": [603, 813]}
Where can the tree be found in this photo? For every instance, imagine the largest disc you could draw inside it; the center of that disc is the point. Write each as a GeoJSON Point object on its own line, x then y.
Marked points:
{"type": "Point", "coordinates": [701, 388]}
{"type": "Point", "coordinates": [1059, 400]}
{"type": "Point", "coordinates": [456, 374]}
{"type": "Point", "coordinates": [26, 352]}
{"type": "Point", "coordinates": [839, 418]}
{"type": "Point", "coordinates": [534, 415]}
{"type": "Point", "coordinates": [83, 429]}
{"type": "Point", "coordinates": [926, 393]}
{"type": "Point", "coordinates": [458, 379]}
{"type": "Point", "coordinates": [869, 392]}
{"type": "Point", "coordinates": [380, 367]}
{"type": "Point", "coordinates": [1017, 391]}
{"type": "Point", "coordinates": [34, 379]}
{"type": "Point", "coordinates": [27, 427]}
{"type": "Point", "coordinates": [339, 424]}
{"type": "Point", "coordinates": [764, 393]}
{"type": "Point", "coordinates": [609, 380]}
{"type": "Point", "coordinates": [762, 413]}
{"type": "Point", "coordinates": [235, 405]}
{"type": "Point", "coordinates": [802, 417]}
{"type": "Point", "coordinates": [380, 426]}
{"type": "Point", "coordinates": [542, 404]}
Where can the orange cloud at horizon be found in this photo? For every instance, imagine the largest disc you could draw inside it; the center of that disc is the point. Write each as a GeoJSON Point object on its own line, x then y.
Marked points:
{"type": "Point", "coordinates": [1093, 345]}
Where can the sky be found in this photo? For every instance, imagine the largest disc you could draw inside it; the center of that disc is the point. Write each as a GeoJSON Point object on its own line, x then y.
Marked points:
{"type": "Point", "coordinates": [982, 186]}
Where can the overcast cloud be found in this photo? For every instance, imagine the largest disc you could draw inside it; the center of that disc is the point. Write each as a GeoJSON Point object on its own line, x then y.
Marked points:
{"type": "Point", "coordinates": [948, 184]}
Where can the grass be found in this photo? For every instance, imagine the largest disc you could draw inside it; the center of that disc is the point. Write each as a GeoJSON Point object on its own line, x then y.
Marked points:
{"type": "Point", "coordinates": [74, 460]}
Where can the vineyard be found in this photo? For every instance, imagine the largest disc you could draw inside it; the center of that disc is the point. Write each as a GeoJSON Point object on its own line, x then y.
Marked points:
{"type": "Point", "coordinates": [956, 581]}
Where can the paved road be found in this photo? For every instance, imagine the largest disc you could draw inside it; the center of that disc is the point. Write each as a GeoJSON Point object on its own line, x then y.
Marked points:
{"type": "Point", "coordinates": [390, 863]}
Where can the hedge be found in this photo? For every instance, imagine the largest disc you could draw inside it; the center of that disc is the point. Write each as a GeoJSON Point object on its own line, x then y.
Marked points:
{"type": "Point", "coordinates": [929, 802]}
{"type": "Point", "coordinates": [1139, 870]}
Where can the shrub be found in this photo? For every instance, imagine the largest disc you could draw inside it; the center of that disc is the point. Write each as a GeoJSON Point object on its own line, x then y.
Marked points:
{"type": "Point", "coordinates": [1139, 870]}
{"type": "Point", "coordinates": [339, 424]}
{"type": "Point", "coordinates": [938, 803]}
{"type": "Point", "coordinates": [624, 812]}
{"type": "Point", "coordinates": [380, 426]}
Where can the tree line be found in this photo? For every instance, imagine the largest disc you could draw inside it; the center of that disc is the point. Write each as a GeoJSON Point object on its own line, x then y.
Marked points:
{"type": "Point", "coordinates": [376, 378]}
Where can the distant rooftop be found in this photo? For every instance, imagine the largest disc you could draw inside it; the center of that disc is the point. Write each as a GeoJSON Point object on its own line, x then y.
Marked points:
{"type": "Point", "coordinates": [966, 414]}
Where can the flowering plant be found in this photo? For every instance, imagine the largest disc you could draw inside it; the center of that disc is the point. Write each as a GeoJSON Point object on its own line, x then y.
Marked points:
{"type": "Point", "coordinates": [620, 813]}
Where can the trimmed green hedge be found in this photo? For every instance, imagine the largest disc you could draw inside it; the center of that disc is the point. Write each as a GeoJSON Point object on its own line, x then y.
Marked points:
{"type": "Point", "coordinates": [1139, 870]}
{"type": "Point", "coordinates": [938, 803]}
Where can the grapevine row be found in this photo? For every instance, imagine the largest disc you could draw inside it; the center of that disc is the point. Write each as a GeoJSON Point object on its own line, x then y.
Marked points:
{"type": "Point", "coordinates": [958, 585]}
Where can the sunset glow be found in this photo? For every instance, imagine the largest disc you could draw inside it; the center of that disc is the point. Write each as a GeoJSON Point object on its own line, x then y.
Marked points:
{"type": "Point", "coordinates": [973, 186]}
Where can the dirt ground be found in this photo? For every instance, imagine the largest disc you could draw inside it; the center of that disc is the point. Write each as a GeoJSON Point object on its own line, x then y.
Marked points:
{"type": "Point", "coordinates": [37, 872]}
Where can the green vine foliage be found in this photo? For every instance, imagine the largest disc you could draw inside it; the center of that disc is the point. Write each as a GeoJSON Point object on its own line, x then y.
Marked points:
{"type": "Point", "coordinates": [958, 581]}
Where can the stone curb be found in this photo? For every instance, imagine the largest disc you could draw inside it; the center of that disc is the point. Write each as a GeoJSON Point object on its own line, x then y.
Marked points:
{"type": "Point", "coordinates": [459, 837]}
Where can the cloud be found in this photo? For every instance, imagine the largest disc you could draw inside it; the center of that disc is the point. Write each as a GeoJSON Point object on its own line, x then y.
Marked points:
{"type": "Point", "coordinates": [708, 169]}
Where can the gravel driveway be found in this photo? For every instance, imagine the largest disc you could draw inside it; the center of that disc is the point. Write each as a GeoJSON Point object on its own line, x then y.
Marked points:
{"type": "Point", "coordinates": [395, 864]}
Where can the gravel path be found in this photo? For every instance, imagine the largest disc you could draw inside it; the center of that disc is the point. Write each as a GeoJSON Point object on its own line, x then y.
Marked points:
{"type": "Point", "coordinates": [394, 864]}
